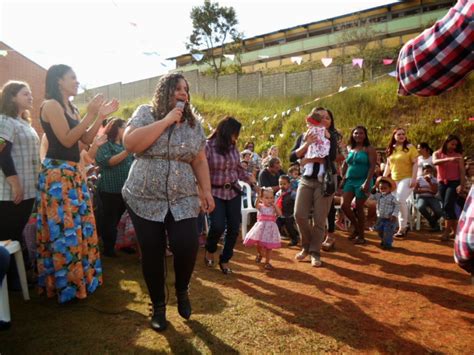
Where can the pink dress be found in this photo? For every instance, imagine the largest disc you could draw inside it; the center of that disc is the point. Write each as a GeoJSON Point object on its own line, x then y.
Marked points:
{"type": "Point", "coordinates": [265, 232]}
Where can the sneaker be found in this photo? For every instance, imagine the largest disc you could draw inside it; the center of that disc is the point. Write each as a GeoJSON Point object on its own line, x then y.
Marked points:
{"type": "Point", "coordinates": [316, 261]}
{"type": "Point", "coordinates": [301, 255]}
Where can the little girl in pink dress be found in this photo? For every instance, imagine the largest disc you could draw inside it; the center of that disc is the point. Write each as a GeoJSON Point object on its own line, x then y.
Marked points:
{"type": "Point", "coordinates": [265, 234]}
{"type": "Point", "coordinates": [318, 149]}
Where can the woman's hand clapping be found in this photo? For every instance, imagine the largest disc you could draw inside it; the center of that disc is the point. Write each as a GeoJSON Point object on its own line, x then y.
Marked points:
{"type": "Point", "coordinates": [107, 108]}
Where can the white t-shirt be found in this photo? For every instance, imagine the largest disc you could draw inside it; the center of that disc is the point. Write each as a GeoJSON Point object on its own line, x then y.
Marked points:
{"type": "Point", "coordinates": [422, 161]}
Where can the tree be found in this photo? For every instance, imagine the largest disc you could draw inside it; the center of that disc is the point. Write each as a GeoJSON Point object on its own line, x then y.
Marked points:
{"type": "Point", "coordinates": [215, 33]}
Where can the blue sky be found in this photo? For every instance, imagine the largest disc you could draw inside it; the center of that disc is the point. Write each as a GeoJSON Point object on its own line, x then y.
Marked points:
{"type": "Point", "coordinates": [107, 41]}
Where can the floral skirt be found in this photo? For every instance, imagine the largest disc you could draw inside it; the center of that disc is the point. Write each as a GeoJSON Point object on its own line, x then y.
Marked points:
{"type": "Point", "coordinates": [68, 257]}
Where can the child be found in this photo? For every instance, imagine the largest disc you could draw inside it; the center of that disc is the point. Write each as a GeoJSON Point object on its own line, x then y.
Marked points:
{"type": "Point", "coordinates": [426, 202]}
{"type": "Point", "coordinates": [285, 200]}
{"type": "Point", "coordinates": [264, 234]}
{"type": "Point", "coordinates": [318, 149]}
{"type": "Point", "coordinates": [387, 210]}
{"type": "Point", "coordinates": [294, 174]}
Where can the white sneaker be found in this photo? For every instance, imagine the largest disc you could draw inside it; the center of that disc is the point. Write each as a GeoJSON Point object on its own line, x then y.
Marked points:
{"type": "Point", "coordinates": [301, 255]}
{"type": "Point", "coordinates": [316, 261]}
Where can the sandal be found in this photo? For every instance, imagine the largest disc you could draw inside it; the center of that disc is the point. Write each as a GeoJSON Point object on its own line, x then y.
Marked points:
{"type": "Point", "coordinates": [225, 270]}
{"type": "Point", "coordinates": [258, 258]}
{"type": "Point", "coordinates": [268, 266]}
{"type": "Point", "coordinates": [329, 243]}
{"type": "Point", "coordinates": [208, 262]}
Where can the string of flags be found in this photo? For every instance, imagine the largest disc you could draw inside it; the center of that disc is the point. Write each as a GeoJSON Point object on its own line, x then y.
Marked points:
{"type": "Point", "coordinates": [288, 112]}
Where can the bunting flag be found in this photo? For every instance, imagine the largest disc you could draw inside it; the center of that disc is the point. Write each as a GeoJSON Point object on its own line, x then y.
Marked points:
{"type": "Point", "coordinates": [342, 88]}
{"type": "Point", "coordinates": [275, 116]}
{"type": "Point", "coordinates": [326, 61]}
{"type": "Point", "coordinates": [297, 60]}
{"type": "Point", "coordinates": [198, 56]}
{"type": "Point", "coordinates": [357, 61]}
{"type": "Point", "coordinates": [288, 112]}
{"type": "Point", "coordinates": [438, 120]}
{"type": "Point", "coordinates": [387, 61]}
{"type": "Point", "coordinates": [297, 109]}
{"type": "Point", "coordinates": [471, 118]}
{"type": "Point", "coordinates": [456, 120]}
{"type": "Point", "coordinates": [151, 53]}
{"type": "Point", "coordinates": [393, 73]}
{"type": "Point", "coordinates": [264, 56]}
{"type": "Point", "coordinates": [3, 53]}
{"type": "Point", "coordinates": [230, 56]}
{"type": "Point", "coordinates": [281, 135]}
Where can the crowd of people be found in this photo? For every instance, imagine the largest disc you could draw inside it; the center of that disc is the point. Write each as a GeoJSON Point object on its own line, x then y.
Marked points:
{"type": "Point", "coordinates": [158, 172]}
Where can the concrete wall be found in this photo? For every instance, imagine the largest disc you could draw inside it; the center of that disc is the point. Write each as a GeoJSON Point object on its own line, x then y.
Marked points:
{"type": "Point", "coordinates": [315, 82]}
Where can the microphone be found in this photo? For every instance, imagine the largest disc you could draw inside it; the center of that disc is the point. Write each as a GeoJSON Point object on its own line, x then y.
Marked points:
{"type": "Point", "coordinates": [181, 104]}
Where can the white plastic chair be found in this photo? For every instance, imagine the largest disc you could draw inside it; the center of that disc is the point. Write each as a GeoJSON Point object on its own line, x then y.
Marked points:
{"type": "Point", "coordinates": [246, 200]}
{"type": "Point", "coordinates": [14, 249]}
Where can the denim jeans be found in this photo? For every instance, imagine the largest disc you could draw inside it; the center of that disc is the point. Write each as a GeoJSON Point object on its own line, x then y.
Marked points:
{"type": "Point", "coordinates": [426, 203]}
{"type": "Point", "coordinates": [226, 217]}
{"type": "Point", "coordinates": [448, 198]}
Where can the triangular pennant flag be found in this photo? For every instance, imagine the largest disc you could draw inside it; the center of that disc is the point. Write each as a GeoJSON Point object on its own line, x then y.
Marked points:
{"type": "Point", "coordinates": [456, 120]}
{"type": "Point", "coordinates": [293, 134]}
{"type": "Point", "coordinates": [252, 137]}
{"type": "Point", "coordinates": [471, 118]}
{"type": "Point", "coordinates": [272, 136]}
{"type": "Point", "coordinates": [253, 122]}
{"type": "Point", "coordinates": [326, 61]}
{"type": "Point", "coordinates": [288, 112]}
{"type": "Point", "coordinates": [297, 109]}
{"type": "Point", "coordinates": [387, 61]}
{"type": "Point", "coordinates": [316, 99]}
{"type": "Point", "coordinates": [198, 56]}
{"type": "Point", "coordinates": [275, 115]}
{"type": "Point", "coordinates": [3, 53]}
{"type": "Point", "coordinates": [393, 73]}
{"type": "Point", "coordinates": [296, 60]}
{"type": "Point", "coordinates": [357, 61]}
{"type": "Point", "coordinates": [281, 135]}
{"type": "Point", "coordinates": [438, 120]}
{"type": "Point", "coordinates": [342, 88]}
{"type": "Point", "coordinates": [283, 114]}
{"type": "Point", "coordinates": [265, 119]}
{"type": "Point", "coordinates": [229, 56]}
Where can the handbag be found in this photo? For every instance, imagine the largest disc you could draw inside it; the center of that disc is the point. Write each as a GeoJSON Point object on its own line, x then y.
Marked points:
{"type": "Point", "coordinates": [329, 180]}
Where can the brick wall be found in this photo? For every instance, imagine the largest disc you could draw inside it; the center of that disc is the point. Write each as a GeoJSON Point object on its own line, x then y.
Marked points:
{"type": "Point", "coordinates": [15, 66]}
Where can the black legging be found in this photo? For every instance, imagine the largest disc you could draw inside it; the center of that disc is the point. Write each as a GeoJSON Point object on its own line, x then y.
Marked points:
{"type": "Point", "coordinates": [183, 241]}
{"type": "Point", "coordinates": [113, 208]}
{"type": "Point", "coordinates": [332, 218]}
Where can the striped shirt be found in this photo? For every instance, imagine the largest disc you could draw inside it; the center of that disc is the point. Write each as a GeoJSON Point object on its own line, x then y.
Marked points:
{"type": "Point", "coordinates": [112, 178]}
{"type": "Point", "coordinates": [441, 56]}
{"type": "Point", "coordinates": [25, 156]}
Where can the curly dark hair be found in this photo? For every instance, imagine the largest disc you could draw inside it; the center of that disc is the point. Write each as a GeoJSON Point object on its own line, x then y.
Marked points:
{"type": "Point", "coordinates": [163, 98]}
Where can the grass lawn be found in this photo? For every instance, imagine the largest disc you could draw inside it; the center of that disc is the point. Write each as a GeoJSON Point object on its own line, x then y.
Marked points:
{"type": "Point", "coordinates": [413, 299]}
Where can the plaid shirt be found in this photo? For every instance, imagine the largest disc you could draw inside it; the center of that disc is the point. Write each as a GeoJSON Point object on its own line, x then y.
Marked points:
{"type": "Point", "coordinates": [464, 243]}
{"type": "Point", "coordinates": [438, 58]}
{"type": "Point", "coordinates": [224, 169]}
{"type": "Point", "coordinates": [387, 205]}
{"type": "Point", "coordinates": [25, 156]}
{"type": "Point", "coordinates": [112, 178]}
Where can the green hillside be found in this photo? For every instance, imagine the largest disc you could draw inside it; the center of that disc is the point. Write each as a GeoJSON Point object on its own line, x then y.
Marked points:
{"type": "Point", "coordinates": [373, 105]}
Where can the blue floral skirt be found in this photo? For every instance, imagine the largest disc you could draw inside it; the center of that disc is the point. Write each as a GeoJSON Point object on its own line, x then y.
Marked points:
{"type": "Point", "coordinates": [68, 256]}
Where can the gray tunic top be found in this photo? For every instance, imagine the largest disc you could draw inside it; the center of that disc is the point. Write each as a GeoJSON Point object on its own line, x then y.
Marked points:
{"type": "Point", "coordinates": [159, 180]}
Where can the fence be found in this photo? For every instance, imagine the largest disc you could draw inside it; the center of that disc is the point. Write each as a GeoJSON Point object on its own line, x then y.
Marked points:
{"type": "Point", "coordinates": [245, 86]}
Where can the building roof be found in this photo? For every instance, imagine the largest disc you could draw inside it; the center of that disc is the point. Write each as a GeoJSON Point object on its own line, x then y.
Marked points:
{"type": "Point", "coordinates": [5, 46]}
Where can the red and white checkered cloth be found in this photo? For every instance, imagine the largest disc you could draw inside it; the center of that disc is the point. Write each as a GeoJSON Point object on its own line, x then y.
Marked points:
{"type": "Point", "coordinates": [464, 242]}
{"type": "Point", "coordinates": [441, 56]}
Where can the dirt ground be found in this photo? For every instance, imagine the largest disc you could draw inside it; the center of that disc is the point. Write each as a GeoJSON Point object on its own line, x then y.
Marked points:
{"type": "Point", "coordinates": [413, 299]}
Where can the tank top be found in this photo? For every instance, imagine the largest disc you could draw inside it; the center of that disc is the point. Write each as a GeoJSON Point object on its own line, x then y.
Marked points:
{"type": "Point", "coordinates": [358, 164]}
{"type": "Point", "coordinates": [448, 171]}
{"type": "Point", "coordinates": [55, 149]}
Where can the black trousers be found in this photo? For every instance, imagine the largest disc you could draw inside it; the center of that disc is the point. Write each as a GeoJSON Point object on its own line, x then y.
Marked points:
{"type": "Point", "coordinates": [183, 242]}
{"type": "Point", "coordinates": [113, 208]}
{"type": "Point", "coordinates": [290, 225]}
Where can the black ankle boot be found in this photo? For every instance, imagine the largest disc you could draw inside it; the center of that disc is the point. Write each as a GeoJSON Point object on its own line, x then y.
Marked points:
{"type": "Point", "coordinates": [158, 317]}
{"type": "Point", "coordinates": [184, 306]}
